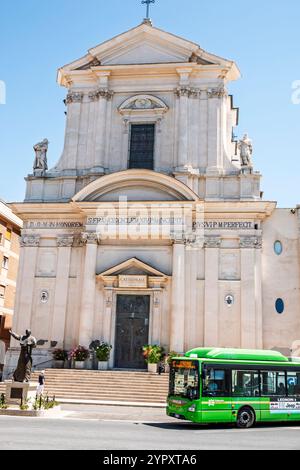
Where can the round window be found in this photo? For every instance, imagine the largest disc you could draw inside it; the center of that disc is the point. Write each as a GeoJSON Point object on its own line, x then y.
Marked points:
{"type": "Point", "coordinates": [279, 305]}
{"type": "Point", "coordinates": [278, 247]}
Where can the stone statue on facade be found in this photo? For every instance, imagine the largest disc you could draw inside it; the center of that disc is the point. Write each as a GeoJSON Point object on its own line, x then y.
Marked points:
{"type": "Point", "coordinates": [40, 161]}
{"type": "Point", "coordinates": [246, 150]}
{"type": "Point", "coordinates": [24, 367]}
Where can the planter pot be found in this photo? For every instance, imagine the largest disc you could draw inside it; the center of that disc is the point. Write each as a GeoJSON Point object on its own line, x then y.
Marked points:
{"type": "Point", "coordinates": [102, 365]}
{"type": "Point", "coordinates": [152, 368]}
{"type": "Point", "coordinates": [58, 364]}
{"type": "Point", "coordinates": [79, 364]}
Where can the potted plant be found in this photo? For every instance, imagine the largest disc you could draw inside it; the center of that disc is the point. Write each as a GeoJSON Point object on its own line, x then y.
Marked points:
{"type": "Point", "coordinates": [169, 359]}
{"type": "Point", "coordinates": [153, 355]}
{"type": "Point", "coordinates": [59, 358]}
{"type": "Point", "coordinates": [79, 355]}
{"type": "Point", "coordinates": [102, 352]}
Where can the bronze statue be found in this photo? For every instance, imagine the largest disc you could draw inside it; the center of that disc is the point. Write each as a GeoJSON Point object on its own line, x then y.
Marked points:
{"type": "Point", "coordinates": [27, 343]}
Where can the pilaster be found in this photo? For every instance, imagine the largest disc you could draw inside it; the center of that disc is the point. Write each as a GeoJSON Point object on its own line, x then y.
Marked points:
{"type": "Point", "coordinates": [251, 292]}
{"type": "Point", "coordinates": [211, 301]}
{"type": "Point", "coordinates": [88, 289]}
{"type": "Point", "coordinates": [64, 247]}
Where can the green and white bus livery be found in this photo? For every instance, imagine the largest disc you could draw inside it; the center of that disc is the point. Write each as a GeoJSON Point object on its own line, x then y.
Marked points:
{"type": "Point", "coordinates": [212, 385]}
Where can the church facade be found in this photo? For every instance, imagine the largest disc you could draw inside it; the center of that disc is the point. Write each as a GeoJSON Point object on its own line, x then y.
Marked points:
{"type": "Point", "coordinates": [152, 227]}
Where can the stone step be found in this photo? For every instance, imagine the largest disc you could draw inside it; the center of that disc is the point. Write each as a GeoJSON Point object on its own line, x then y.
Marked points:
{"type": "Point", "coordinates": [105, 386]}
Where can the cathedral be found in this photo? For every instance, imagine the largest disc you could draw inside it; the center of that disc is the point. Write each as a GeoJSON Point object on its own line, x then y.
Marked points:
{"type": "Point", "coordinates": [152, 227]}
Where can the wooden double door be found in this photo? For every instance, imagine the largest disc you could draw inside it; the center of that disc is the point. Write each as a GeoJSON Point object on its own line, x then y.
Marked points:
{"type": "Point", "coordinates": [132, 331]}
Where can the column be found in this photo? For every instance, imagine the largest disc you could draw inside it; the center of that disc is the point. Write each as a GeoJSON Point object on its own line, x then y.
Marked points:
{"type": "Point", "coordinates": [88, 289]}
{"type": "Point", "coordinates": [64, 244]}
{"type": "Point", "coordinates": [183, 93]}
{"type": "Point", "coordinates": [73, 102]}
{"type": "Point", "coordinates": [101, 131]}
{"type": "Point", "coordinates": [178, 297]}
{"type": "Point", "coordinates": [258, 294]}
{"type": "Point", "coordinates": [108, 299]}
{"type": "Point", "coordinates": [156, 316]}
{"type": "Point", "coordinates": [248, 292]}
{"type": "Point", "coordinates": [215, 129]}
{"type": "Point", "coordinates": [182, 158]}
{"type": "Point", "coordinates": [203, 134]}
{"type": "Point", "coordinates": [26, 281]}
{"type": "Point", "coordinates": [211, 302]}
{"type": "Point", "coordinates": [103, 94]}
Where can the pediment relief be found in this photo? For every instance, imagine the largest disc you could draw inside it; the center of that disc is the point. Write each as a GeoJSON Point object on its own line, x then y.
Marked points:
{"type": "Point", "coordinates": [140, 103]}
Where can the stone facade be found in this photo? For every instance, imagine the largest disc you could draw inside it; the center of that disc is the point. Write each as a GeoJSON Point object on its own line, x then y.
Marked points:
{"type": "Point", "coordinates": [193, 233]}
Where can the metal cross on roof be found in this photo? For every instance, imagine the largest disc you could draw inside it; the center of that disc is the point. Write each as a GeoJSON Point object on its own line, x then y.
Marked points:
{"type": "Point", "coordinates": [148, 2]}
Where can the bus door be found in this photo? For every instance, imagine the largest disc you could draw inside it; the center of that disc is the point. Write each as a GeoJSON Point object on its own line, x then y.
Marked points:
{"type": "Point", "coordinates": [274, 401]}
{"type": "Point", "coordinates": [216, 399]}
{"type": "Point", "coordinates": [245, 390]}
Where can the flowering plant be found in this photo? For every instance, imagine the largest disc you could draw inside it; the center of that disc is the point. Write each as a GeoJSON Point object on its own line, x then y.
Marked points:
{"type": "Point", "coordinates": [103, 351]}
{"type": "Point", "coordinates": [60, 355]}
{"type": "Point", "coordinates": [153, 354]}
{"type": "Point", "coordinates": [79, 354]}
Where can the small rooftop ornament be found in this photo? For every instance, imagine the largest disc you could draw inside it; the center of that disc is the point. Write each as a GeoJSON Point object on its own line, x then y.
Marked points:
{"type": "Point", "coordinates": [147, 19]}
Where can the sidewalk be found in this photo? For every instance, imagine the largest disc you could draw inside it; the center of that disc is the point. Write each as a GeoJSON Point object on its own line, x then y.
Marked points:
{"type": "Point", "coordinates": [114, 413]}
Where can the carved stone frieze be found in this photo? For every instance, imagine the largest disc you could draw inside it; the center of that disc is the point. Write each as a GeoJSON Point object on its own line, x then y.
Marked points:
{"type": "Point", "coordinates": [30, 241]}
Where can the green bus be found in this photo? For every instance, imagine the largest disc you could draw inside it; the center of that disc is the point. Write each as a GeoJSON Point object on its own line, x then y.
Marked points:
{"type": "Point", "coordinates": [240, 386]}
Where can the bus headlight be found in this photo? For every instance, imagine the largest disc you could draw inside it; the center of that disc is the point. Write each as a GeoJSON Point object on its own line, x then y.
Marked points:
{"type": "Point", "coordinates": [192, 408]}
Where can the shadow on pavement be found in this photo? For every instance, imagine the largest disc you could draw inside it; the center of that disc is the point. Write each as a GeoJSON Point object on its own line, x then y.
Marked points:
{"type": "Point", "coordinates": [204, 427]}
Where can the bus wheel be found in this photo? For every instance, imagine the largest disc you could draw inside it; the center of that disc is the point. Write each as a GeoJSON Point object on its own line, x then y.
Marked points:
{"type": "Point", "coordinates": [246, 418]}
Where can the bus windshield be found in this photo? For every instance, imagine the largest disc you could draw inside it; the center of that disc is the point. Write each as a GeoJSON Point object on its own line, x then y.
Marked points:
{"type": "Point", "coordinates": [184, 379]}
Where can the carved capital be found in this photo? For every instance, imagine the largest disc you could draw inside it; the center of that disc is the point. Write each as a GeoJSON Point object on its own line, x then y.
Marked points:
{"type": "Point", "coordinates": [74, 97]}
{"type": "Point", "coordinates": [217, 93]}
{"type": "Point", "coordinates": [212, 242]}
{"type": "Point", "coordinates": [187, 91]}
{"type": "Point", "coordinates": [251, 242]}
{"type": "Point", "coordinates": [65, 241]}
{"type": "Point", "coordinates": [90, 238]}
{"type": "Point", "coordinates": [30, 241]}
{"type": "Point", "coordinates": [182, 91]}
{"type": "Point", "coordinates": [101, 93]}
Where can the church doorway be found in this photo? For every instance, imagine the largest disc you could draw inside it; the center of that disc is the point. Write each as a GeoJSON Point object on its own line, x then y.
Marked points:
{"type": "Point", "coordinates": [132, 330]}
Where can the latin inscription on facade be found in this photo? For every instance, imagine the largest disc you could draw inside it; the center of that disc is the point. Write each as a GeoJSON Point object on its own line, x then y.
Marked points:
{"type": "Point", "coordinates": [133, 281]}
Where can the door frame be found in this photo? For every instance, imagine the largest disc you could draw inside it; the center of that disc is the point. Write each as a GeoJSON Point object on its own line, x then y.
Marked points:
{"type": "Point", "coordinates": [116, 292]}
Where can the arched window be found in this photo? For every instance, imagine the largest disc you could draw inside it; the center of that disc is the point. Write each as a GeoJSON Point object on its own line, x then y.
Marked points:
{"type": "Point", "coordinates": [279, 305]}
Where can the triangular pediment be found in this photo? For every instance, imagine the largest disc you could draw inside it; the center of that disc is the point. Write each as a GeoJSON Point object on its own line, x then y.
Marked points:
{"type": "Point", "coordinates": [145, 44]}
{"type": "Point", "coordinates": [132, 266]}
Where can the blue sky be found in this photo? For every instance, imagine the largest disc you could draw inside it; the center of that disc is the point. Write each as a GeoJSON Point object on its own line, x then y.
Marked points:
{"type": "Point", "coordinates": [39, 36]}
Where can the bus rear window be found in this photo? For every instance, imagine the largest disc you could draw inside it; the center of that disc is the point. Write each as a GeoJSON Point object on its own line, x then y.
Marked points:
{"type": "Point", "coordinates": [184, 379]}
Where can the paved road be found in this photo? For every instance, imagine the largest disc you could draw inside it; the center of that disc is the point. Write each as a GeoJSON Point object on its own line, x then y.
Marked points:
{"type": "Point", "coordinates": [100, 434]}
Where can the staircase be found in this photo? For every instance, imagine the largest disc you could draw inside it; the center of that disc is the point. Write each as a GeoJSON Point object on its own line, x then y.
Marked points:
{"type": "Point", "coordinates": [123, 387]}
{"type": "Point", "coordinates": [76, 386]}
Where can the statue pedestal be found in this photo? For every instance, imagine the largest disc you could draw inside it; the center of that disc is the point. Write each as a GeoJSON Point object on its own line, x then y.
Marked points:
{"type": "Point", "coordinates": [17, 392]}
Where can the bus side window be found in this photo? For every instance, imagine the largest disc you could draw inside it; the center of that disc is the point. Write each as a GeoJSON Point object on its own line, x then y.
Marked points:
{"type": "Point", "coordinates": [293, 384]}
{"type": "Point", "coordinates": [215, 382]}
{"type": "Point", "coordinates": [245, 383]}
